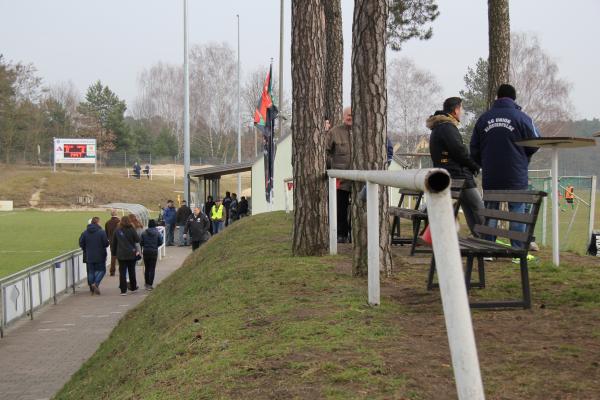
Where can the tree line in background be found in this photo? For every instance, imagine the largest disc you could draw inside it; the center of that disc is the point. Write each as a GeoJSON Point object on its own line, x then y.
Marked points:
{"type": "Point", "coordinates": [31, 114]}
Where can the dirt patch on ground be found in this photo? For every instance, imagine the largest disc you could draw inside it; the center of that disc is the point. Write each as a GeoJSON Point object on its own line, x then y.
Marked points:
{"type": "Point", "coordinates": [551, 351]}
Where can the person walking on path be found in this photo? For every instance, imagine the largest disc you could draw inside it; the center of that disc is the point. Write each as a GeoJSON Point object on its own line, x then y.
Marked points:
{"type": "Point", "coordinates": [151, 240]}
{"type": "Point", "coordinates": [216, 216]}
{"type": "Point", "coordinates": [207, 210]}
{"type": "Point", "coordinates": [169, 215]}
{"type": "Point", "coordinates": [198, 227]}
{"type": "Point", "coordinates": [93, 242]}
{"type": "Point", "coordinates": [449, 152]}
{"type": "Point", "coordinates": [124, 246]}
{"type": "Point", "coordinates": [181, 217]}
{"type": "Point", "coordinates": [339, 154]}
{"type": "Point", "coordinates": [139, 228]}
{"type": "Point", "coordinates": [110, 227]}
{"type": "Point", "coordinates": [505, 164]}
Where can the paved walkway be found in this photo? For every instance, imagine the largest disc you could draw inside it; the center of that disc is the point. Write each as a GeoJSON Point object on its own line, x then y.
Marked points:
{"type": "Point", "coordinates": [38, 357]}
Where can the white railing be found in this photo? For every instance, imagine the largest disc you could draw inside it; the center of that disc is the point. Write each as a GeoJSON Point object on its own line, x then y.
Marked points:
{"type": "Point", "coordinates": [24, 292]}
{"type": "Point", "coordinates": [168, 172]}
{"type": "Point", "coordinates": [435, 183]}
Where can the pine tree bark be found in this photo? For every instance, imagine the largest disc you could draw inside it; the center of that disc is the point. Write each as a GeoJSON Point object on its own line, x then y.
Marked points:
{"type": "Point", "coordinates": [499, 45]}
{"type": "Point", "coordinates": [334, 61]}
{"type": "Point", "coordinates": [310, 236]}
{"type": "Point", "coordinates": [369, 112]}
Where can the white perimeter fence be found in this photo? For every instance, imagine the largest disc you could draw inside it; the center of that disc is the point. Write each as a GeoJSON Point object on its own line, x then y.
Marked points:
{"type": "Point", "coordinates": [436, 185]}
{"type": "Point", "coordinates": [24, 292]}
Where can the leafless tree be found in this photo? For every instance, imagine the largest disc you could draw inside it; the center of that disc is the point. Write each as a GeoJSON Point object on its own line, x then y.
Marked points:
{"type": "Point", "coordinates": [413, 95]}
{"type": "Point", "coordinates": [540, 91]}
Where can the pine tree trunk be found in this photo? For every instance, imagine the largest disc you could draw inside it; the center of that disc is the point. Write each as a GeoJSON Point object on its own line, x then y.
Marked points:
{"type": "Point", "coordinates": [310, 235]}
{"type": "Point", "coordinates": [499, 44]}
{"type": "Point", "coordinates": [369, 112]}
{"type": "Point", "coordinates": [334, 61]}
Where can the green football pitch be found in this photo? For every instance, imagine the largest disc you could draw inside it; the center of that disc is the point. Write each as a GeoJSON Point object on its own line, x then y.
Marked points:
{"type": "Point", "coordinates": [29, 237]}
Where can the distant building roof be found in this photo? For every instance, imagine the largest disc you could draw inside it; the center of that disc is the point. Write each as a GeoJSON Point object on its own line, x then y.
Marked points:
{"type": "Point", "coordinates": [220, 170]}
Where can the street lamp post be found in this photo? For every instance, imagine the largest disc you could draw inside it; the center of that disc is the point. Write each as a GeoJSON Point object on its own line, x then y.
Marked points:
{"type": "Point", "coordinates": [186, 108]}
{"type": "Point", "coordinates": [239, 118]}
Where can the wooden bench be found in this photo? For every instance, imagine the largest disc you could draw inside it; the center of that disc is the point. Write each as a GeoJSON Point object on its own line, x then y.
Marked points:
{"type": "Point", "coordinates": [417, 216]}
{"type": "Point", "coordinates": [476, 248]}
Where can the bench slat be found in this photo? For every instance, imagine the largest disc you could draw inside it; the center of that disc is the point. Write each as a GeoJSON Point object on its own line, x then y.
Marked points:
{"type": "Point", "coordinates": [488, 230]}
{"type": "Point", "coordinates": [513, 196]}
{"type": "Point", "coordinates": [508, 216]}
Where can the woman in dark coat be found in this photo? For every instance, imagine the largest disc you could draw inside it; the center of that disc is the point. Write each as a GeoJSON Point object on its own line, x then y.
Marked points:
{"type": "Point", "coordinates": [124, 246]}
{"type": "Point", "coordinates": [151, 241]}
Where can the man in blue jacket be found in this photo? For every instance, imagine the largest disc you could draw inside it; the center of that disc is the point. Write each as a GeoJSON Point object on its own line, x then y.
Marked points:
{"type": "Point", "coordinates": [94, 242]}
{"type": "Point", "coordinates": [169, 215]}
{"type": "Point", "coordinates": [504, 163]}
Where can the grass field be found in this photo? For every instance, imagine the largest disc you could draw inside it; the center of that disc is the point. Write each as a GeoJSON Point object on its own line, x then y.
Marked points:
{"type": "Point", "coordinates": [243, 318]}
{"type": "Point", "coordinates": [31, 236]}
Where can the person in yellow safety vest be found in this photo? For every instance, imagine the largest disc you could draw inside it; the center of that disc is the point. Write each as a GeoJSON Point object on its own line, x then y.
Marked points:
{"type": "Point", "coordinates": [570, 196]}
{"type": "Point", "coordinates": [216, 216]}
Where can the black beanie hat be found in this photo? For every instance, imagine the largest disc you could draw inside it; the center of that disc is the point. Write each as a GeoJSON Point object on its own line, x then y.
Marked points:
{"type": "Point", "coordinates": [152, 224]}
{"type": "Point", "coordinates": [506, 90]}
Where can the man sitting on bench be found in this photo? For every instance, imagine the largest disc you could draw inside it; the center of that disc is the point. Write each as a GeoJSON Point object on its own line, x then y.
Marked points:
{"type": "Point", "coordinates": [449, 152]}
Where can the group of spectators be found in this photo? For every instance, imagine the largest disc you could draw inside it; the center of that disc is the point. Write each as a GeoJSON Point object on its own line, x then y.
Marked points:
{"type": "Point", "coordinates": [217, 213]}
{"type": "Point", "coordinates": [492, 150]}
{"type": "Point", "coordinates": [137, 170]}
{"type": "Point", "coordinates": [129, 242]}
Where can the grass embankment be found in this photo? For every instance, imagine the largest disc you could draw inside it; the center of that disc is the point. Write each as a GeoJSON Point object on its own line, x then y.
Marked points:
{"type": "Point", "coordinates": [62, 189]}
{"type": "Point", "coordinates": [244, 319]}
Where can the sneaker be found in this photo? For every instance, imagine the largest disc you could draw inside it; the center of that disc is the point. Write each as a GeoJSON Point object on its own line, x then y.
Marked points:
{"type": "Point", "coordinates": [533, 246]}
{"type": "Point", "coordinates": [123, 293]}
{"type": "Point", "coordinates": [488, 258]}
{"type": "Point", "coordinates": [134, 290]}
{"type": "Point", "coordinates": [516, 260]}
{"type": "Point", "coordinates": [96, 289]}
{"type": "Point", "coordinates": [149, 288]}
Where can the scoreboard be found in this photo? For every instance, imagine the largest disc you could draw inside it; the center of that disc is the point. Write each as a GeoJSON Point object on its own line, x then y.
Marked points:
{"type": "Point", "coordinates": [75, 151]}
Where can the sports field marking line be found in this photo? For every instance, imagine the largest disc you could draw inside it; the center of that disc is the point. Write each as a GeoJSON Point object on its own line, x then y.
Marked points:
{"type": "Point", "coordinates": [4, 215]}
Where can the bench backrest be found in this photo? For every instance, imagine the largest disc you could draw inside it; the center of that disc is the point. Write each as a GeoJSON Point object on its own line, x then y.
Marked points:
{"type": "Point", "coordinates": [405, 193]}
{"type": "Point", "coordinates": [532, 200]}
{"type": "Point", "coordinates": [456, 187]}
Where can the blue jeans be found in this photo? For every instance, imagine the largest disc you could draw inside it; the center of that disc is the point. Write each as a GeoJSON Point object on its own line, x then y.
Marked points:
{"type": "Point", "coordinates": [217, 226]}
{"type": "Point", "coordinates": [170, 233]}
{"type": "Point", "coordinates": [514, 226]}
{"type": "Point", "coordinates": [96, 272]}
{"type": "Point", "coordinates": [180, 240]}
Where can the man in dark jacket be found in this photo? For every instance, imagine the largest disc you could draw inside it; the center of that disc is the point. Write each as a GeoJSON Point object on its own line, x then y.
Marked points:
{"type": "Point", "coordinates": [169, 215]}
{"type": "Point", "coordinates": [150, 241]}
{"type": "Point", "coordinates": [505, 164]}
{"type": "Point", "coordinates": [110, 227]}
{"type": "Point", "coordinates": [198, 227]}
{"type": "Point", "coordinates": [449, 152]}
{"type": "Point", "coordinates": [233, 208]}
{"type": "Point", "coordinates": [181, 217]}
{"type": "Point", "coordinates": [227, 206]}
{"type": "Point", "coordinates": [94, 243]}
{"type": "Point", "coordinates": [243, 207]}
{"type": "Point", "coordinates": [339, 154]}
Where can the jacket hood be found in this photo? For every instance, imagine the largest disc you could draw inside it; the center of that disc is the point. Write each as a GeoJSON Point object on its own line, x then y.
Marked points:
{"type": "Point", "coordinates": [505, 102]}
{"type": "Point", "coordinates": [91, 228]}
{"type": "Point", "coordinates": [439, 117]}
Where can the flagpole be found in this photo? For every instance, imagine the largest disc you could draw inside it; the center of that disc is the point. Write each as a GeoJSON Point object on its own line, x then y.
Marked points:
{"type": "Point", "coordinates": [281, 15]}
{"type": "Point", "coordinates": [186, 108]}
{"type": "Point", "coordinates": [239, 135]}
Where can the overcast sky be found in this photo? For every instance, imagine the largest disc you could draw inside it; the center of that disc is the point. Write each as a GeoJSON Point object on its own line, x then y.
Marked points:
{"type": "Point", "coordinates": [113, 40]}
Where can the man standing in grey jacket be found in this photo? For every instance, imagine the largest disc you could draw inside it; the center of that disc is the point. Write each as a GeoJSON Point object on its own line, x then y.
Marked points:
{"type": "Point", "coordinates": [339, 155]}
